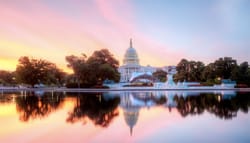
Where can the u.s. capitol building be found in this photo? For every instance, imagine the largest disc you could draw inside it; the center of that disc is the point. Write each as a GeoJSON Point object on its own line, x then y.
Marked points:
{"type": "Point", "coordinates": [131, 67]}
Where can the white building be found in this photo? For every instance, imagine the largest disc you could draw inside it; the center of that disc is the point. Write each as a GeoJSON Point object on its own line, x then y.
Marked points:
{"type": "Point", "coordinates": [131, 65]}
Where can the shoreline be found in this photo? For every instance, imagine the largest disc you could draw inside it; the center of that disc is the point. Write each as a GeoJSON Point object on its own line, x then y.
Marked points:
{"type": "Point", "coordinates": [51, 89]}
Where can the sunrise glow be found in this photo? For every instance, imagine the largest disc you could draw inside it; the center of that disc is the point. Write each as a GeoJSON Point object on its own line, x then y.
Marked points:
{"type": "Point", "coordinates": [51, 31]}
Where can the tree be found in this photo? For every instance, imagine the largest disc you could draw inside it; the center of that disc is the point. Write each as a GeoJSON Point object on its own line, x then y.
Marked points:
{"type": "Point", "coordinates": [182, 70]}
{"type": "Point", "coordinates": [7, 77]}
{"type": "Point", "coordinates": [224, 67]}
{"type": "Point", "coordinates": [195, 70]}
{"type": "Point", "coordinates": [56, 76]}
{"type": "Point", "coordinates": [160, 75]}
{"type": "Point", "coordinates": [78, 64]}
{"type": "Point", "coordinates": [103, 56]}
{"type": "Point", "coordinates": [189, 70]}
{"type": "Point", "coordinates": [101, 65]}
{"type": "Point", "coordinates": [34, 71]}
{"type": "Point", "coordinates": [208, 75]}
{"type": "Point", "coordinates": [241, 74]}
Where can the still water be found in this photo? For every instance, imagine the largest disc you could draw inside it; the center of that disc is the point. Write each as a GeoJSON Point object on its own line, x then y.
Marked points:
{"type": "Point", "coordinates": [157, 116]}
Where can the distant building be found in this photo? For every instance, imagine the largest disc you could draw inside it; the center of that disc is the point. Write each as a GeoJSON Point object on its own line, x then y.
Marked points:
{"type": "Point", "coordinates": [131, 66]}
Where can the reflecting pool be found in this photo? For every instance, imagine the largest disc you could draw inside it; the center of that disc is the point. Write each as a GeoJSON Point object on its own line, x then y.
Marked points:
{"type": "Point", "coordinates": [157, 116]}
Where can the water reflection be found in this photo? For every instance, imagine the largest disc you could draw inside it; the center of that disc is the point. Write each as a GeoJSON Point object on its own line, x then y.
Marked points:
{"type": "Point", "coordinates": [150, 115]}
{"type": "Point", "coordinates": [7, 98]}
{"type": "Point", "coordinates": [223, 104]}
{"type": "Point", "coordinates": [96, 107]}
{"type": "Point", "coordinates": [102, 108]}
{"type": "Point", "coordinates": [215, 104]}
{"type": "Point", "coordinates": [131, 102]}
{"type": "Point", "coordinates": [32, 106]}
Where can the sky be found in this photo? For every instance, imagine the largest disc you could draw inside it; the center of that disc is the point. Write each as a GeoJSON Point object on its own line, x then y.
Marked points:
{"type": "Point", "coordinates": [163, 31]}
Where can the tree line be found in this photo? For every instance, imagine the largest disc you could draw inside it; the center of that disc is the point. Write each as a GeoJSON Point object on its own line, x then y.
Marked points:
{"type": "Point", "coordinates": [101, 65]}
{"type": "Point", "coordinates": [87, 71]}
{"type": "Point", "coordinates": [213, 73]}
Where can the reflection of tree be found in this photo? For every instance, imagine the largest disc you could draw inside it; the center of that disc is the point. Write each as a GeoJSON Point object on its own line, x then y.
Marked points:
{"type": "Point", "coordinates": [96, 107]}
{"type": "Point", "coordinates": [226, 108]}
{"type": "Point", "coordinates": [32, 107]}
{"type": "Point", "coordinates": [160, 100]}
{"type": "Point", "coordinates": [6, 98]}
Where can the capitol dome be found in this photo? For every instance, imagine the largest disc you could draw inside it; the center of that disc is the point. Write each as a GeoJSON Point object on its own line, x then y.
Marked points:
{"type": "Point", "coordinates": [131, 57]}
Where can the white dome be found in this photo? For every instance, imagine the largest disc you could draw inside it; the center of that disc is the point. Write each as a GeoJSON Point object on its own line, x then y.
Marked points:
{"type": "Point", "coordinates": [131, 57]}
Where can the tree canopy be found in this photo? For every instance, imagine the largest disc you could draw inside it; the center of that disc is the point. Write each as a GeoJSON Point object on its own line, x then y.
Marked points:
{"type": "Point", "coordinates": [222, 68]}
{"type": "Point", "coordinates": [35, 71]}
{"type": "Point", "coordinates": [92, 71]}
{"type": "Point", "coordinates": [189, 70]}
{"type": "Point", "coordinates": [160, 75]}
{"type": "Point", "coordinates": [7, 77]}
{"type": "Point", "coordinates": [79, 67]}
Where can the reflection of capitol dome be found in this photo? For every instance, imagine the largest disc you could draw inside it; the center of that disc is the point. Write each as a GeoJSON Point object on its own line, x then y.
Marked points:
{"type": "Point", "coordinates": [131, 57]}
{"type": "Point", "coordinates": [131, 117]}
{"type": "Point", "coordinates": [130, 111]}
